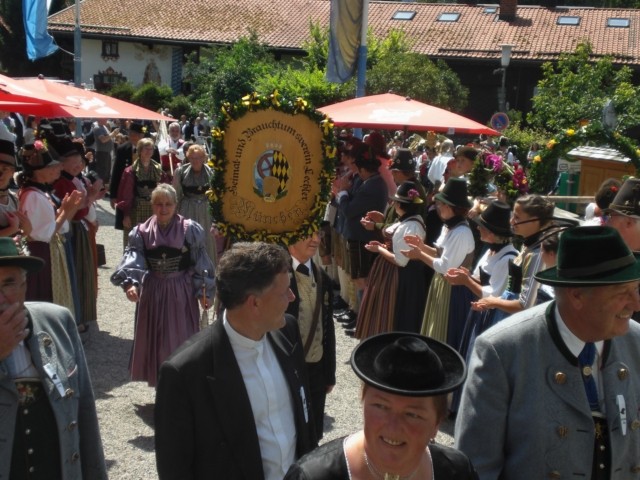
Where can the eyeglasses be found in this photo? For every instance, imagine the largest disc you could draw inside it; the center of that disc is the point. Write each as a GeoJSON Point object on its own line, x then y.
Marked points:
{"type": "Point", "coordinates": [11, 288]}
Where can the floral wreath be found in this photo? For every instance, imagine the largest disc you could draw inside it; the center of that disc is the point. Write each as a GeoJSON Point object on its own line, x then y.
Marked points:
{"type": "Point", "coordinates": [490, 167]}
{"type": "Point", "coordinates": [543, 170]}
{"type": "Point", "coordinates": [218, 162]}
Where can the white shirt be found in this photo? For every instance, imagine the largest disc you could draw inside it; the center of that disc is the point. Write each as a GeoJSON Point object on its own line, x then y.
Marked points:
{"type": "Point", "coordinates": [272, 409]}
{"type": "Point", "coordinates": [575, 346]}
{"type": "Point", "coordinates": [36, 205]}
{"type": "Point", "coordinates": [456, 244]}
{"type": "Point", "coordinates": [400, 229]}
{"type": "Point", "coordinates": [163, 145]}
{"type": "Point", "coordinates": [497, 267]}
{"type": "Point", "coordinates": [437, 168]}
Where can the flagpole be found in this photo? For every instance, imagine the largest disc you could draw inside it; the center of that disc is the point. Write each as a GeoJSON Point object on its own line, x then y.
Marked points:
{"type": "Point", "coordinates": [77, 57]}
{"type": "Point", "coordinates": [362, 51]}
{"type": "Point", "coordinates": [77, 61]}
{"type": "Point", "coordinates": [361, 79]}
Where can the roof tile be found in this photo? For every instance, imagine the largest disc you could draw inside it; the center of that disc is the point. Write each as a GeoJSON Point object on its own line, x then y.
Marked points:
{"type": "Point", "coordinates": [285, 25]}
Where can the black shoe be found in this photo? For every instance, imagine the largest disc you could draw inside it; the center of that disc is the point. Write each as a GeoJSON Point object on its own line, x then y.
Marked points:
{"type": "Point", "coordinates": [350, 333]}
{"type": "Point", "coordinates": [350, 325]}
{"type": "Point", "coordinates": [339, 303]}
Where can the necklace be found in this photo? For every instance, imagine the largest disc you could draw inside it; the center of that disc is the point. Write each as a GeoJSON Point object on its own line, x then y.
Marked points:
{"type": "Point", "coordinates": [387, 476]}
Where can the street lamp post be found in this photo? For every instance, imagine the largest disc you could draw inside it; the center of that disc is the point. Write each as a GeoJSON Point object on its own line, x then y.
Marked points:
{"type": "Point", "coordinates": [504, 62]}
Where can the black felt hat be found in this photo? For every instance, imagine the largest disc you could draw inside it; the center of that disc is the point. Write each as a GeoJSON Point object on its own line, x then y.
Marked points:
{"type": "Point", "coordinates": [36, 156]}
{"type": "Point", "coordinates": [408, 364]}
{"type": "Point", "coordinates": [407, 193]}
{"type": "Point", "coordinates": [592, 256]}
{"type": "Point", "coordinates": [403, 160]}
{"type": "Point", "coordinates": [63, 147]}
{"type": "Point", "coordinates": [454, 193]}
{"type": "Point", "coordinates": [495, 218]}
{"type": "Point", "coordinates": [627, 200]}
{"type": "Point", "coordinates": [8, 148]}
{"type": "Point", "coordinates": [137, 127]}
{"type": "Point", "coordinates": [10, 257]}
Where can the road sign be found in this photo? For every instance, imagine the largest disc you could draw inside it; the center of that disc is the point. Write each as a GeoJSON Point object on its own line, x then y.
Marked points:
{"type": "Point", "coordinates": [499, 121]}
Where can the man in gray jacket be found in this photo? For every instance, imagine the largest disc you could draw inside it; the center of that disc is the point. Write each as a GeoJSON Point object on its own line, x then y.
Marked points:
{"type": "Point", "coordinates": [554, 391]}
{"type": "Point", "coordinates": [48, 423]}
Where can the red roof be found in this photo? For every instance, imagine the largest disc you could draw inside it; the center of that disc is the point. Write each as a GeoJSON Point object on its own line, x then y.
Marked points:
{"type": "Point", "coordinates": [535, 34]}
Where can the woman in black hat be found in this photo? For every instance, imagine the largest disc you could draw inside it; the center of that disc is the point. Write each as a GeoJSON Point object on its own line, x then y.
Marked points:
{"type": "Point", "coordinates": [454, 248]}
{"type": "Point", "coordinates": [532, 220]}
{"type": "Point", "coordinates": [49, 217]}
{"type": "Point", "coordinates": [489, 277]}
{"type": "Point", "coordinates": [397, 284]}
{"type": "Point", "coordinates": [404, 398]}
{"type": "Point", "coordinates": [492, 271]}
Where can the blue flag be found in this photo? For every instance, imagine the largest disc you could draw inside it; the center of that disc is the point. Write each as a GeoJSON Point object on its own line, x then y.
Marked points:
{"type": "Point", "coordinates": [39, 42]}
{"type": "Point", "coordinates": [345, 27]}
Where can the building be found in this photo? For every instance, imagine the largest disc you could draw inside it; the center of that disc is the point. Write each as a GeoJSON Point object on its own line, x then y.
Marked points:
{"type": "Point", "coordinates": [149, 40]}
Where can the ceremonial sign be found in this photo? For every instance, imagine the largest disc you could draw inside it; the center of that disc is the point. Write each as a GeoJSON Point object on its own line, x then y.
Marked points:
{"type": "Point", "coordinates": [273, 163]}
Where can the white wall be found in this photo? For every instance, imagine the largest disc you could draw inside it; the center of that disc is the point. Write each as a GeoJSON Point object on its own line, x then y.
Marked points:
{"type": "Point", "coordinates": [134, 59]}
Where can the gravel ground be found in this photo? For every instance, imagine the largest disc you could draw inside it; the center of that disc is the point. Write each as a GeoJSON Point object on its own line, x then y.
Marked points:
{"type": "Point", "coordinates": [125, 408]}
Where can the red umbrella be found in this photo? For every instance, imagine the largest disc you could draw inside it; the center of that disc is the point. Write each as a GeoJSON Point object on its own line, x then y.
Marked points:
{"type": "Point", "coordinates": [12, 92]}
{"type": "Point", "coordinates": [79, 103]}
{"type": "Point", "coordinates": [390, 112]}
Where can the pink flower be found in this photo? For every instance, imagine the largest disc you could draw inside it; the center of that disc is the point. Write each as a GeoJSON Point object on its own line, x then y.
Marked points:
{"type": "Point", "coordinates": [38, 145]}
{"type": "Point", "coordinates": [413, 193]}
{"type": "Point", "coordinates": [494, 162]}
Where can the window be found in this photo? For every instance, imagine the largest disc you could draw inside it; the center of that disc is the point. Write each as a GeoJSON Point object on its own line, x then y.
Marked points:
{"type": "Point", "coordinates": [490, 10]}
{"type": "Point", "coordinates": [107, 79]}
{"type": "Point", "coordinates": [567, 20]}
{"type": "Point", "coordinates": [109, 49]}
{"type": "Point", "coordinates": [449, 17]}
{"type": "Point", "coordinates": [618, 22]}
{"type": "Point", "coordinates": [403, 15]}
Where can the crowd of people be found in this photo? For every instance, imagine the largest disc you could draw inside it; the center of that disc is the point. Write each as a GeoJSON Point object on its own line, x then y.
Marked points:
{"type": "Point", "coordinates": [429, 279]}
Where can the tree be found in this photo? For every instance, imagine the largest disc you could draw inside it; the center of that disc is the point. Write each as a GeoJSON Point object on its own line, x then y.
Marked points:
{"type": "Point", "coordinates": [228, 73]}
{"type": "Point", "coordinates": [576, 89]}
{"type": "Point", "coordinates": [13, 47]}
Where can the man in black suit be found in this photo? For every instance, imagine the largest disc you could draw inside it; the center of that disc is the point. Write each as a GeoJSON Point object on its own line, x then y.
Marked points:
{"type": "Point", "coordinates": [124, 158]}
{"type": "Point", "coordinates": [232, 402]}
{"type": "Point", "coordinates": [313, 307]}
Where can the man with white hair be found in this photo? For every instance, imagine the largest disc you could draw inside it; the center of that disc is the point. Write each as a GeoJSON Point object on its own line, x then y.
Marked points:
{"type": "Point", "coordinates": [171, 153]}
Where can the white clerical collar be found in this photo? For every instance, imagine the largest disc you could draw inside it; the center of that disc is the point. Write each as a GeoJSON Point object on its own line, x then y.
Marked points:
{"type": "Point", "coordinates": [573, 343]}
{"type": "Point", "coordinates": [239, 340]}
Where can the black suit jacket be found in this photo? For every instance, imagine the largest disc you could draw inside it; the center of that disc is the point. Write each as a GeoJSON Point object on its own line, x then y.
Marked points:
{"type": "Point", "coordinates": [204, 425]}
{"type": "Point", "coordinates": [123, 159]}
{"type": "Point", "coordinates": [364, 197]}
{"type": "Point", "coordinates": [328, 329]}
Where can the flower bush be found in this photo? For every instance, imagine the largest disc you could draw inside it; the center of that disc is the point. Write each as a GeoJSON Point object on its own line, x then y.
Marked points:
{"type": "Point", "coordinates": [543, 170]}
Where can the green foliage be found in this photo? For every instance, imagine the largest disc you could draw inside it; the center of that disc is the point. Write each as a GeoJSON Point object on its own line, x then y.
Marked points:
{"type": "Point", "coordinates": [181, 105]}
{"type": "Point", "coordinates": [152, 96]}
{"type": "Point", "coordinates": [311, 85]}
{"type": "Point", "coordinates": [228, 73]}
{"type": "Point", "coordinates": [543, 169]}
{"type": "Point", "coordinates": [576, 89]}
{"type": "Point", "coordinates": [317, 48]}
{"type": "Point", "coordinates": [522, 137]}
{"type": "Point", "coordinates": [13, 44]}
{"type": "Point", "coordinates": [416, 76]}
{"type": "Point", "coordinates": [122, 91]}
